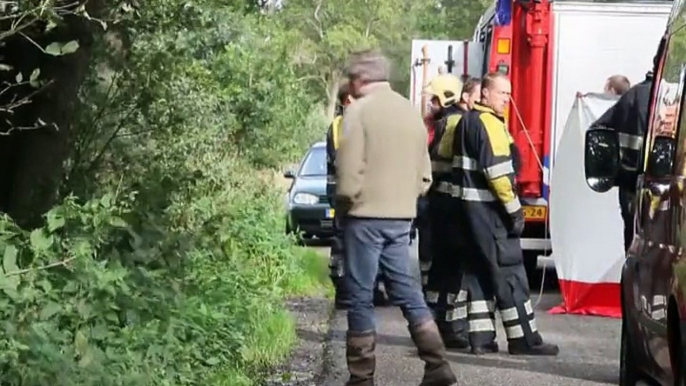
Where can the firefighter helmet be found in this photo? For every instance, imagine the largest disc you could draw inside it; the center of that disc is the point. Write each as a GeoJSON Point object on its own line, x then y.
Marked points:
{"type": "Point", "coordinates": [447, 88]}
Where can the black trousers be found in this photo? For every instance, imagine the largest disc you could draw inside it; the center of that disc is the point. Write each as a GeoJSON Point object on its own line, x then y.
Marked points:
{"type": "Point", "coordinates": [423, 225]}
{"type": "Point", "coordinates": [495, 262]}
{"type": "Point", "coordinates": [446, 291]}
{"type": "Point", "coordinates": [626, 203]}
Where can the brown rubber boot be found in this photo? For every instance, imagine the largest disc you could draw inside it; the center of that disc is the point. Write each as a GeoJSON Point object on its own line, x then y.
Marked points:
{"type": "Point", "coordinates": [437, 371]}
{"type": "Point", "coordinates": [360, 356]}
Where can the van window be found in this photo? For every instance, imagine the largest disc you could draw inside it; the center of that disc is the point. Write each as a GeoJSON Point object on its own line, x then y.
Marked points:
{"type": "Point", "coordinates": [669, 115]}
{"type": "Point", "coordinates": [667, 101]}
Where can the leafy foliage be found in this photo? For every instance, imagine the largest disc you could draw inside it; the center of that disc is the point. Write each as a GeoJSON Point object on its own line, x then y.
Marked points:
{"type": "Point", "coordinates": [163, 259]}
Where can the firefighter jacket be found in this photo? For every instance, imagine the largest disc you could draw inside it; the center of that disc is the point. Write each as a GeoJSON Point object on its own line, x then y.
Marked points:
{"type": "Point", "coordinates": [333, 136]}
{"type": "Point", "coordinates": [440, 148]}
{"type": "Point", "coordinates": [483, 172]}
{"type": "Point", "coordinates": [629, 118]}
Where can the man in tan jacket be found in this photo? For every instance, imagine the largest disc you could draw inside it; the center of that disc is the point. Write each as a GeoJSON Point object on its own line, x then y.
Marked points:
{"type": "Point", "coordinates": [382, 166]}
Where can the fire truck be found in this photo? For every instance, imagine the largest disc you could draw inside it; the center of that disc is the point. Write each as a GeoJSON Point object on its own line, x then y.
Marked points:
{"type": "Point", "coordinates": [551, 51]}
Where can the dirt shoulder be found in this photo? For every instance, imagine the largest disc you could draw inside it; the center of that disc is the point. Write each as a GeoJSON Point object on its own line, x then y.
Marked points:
{"type": "Point", "coordinates": [306, 364]}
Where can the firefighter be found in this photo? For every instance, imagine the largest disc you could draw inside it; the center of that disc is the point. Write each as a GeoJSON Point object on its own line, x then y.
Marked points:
{"type": "Point", "coordinates": [333, 136]}
{"type": "Point", "coordinates": [629, 117]}
{"type": "Point", "coordinates": [332, 140]}
{"type": "Point", "coordinates": [441, 266]}
{"type": "Point", "coordinates": [490, 223]}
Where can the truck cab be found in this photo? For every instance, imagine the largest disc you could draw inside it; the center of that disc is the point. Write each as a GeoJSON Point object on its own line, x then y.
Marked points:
{"type": "Point", "coordinates": [551, 50]}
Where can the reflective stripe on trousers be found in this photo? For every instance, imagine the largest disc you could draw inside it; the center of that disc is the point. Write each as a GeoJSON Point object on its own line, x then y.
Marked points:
{"type": "Point", "coordinates": [477, 195]}
{"type": "Point", "coordinates": [512, 321]}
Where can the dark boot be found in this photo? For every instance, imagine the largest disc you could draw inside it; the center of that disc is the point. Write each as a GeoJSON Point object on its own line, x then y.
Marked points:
{"type": "Point", "coordinates": [360, 357]}
{"type": "Point", "coordinates": [519, 347]}
{"type": "Point", "coordinates": [437, 371]}
{"type": "Point", "coordinates": [488, 348]}
{"type": "Point", "coordinates": [454, 341]}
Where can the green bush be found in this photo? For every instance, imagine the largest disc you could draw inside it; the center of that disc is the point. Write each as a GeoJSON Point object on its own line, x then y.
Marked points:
{"type": "Point", "coordinates": [88, 301]}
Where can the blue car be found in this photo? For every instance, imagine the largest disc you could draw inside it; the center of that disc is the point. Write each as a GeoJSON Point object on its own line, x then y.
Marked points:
{"type": "Point", "coordinates": [309, 212]}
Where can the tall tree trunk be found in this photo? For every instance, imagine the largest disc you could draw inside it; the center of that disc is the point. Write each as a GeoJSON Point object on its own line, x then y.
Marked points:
{"type": "Point", "coordinates": [332, 94]}
{"type": "Point", "coordinates": [32, 161]}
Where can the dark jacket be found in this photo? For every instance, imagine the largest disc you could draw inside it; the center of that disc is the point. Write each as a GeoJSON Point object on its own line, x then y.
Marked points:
{"type": "Point", "coordinates": [629, 118]}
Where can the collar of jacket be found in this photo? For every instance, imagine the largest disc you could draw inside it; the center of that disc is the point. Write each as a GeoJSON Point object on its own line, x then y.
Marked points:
{"type": "Point", "coordinates": [446, 111]}
{"type": "Point", "coordinates": [373, 87]}
{"type": "Point", "coordinates": [478, 106]}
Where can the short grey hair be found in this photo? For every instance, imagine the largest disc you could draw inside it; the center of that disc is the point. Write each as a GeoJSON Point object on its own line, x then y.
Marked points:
{"type": "Point", "coordinates": [368, 66]}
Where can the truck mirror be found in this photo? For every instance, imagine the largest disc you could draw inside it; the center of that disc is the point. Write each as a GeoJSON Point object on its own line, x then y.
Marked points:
{"type": "Point", "coordinates": [661, 157]}
{"type": "Point", "coordinates": [601, 158]}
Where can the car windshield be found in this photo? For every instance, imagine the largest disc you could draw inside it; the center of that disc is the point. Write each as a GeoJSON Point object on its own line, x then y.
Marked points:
{"type": "Point", "coordinates": [315, 163]}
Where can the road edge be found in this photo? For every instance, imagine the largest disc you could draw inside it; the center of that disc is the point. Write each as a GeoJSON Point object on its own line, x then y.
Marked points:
{"type": "Point", "coordinates": [305, 364]}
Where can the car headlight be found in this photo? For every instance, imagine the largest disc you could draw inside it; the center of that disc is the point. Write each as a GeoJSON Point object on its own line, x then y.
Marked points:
{"type": "Point", "coordinates": [305, 199]}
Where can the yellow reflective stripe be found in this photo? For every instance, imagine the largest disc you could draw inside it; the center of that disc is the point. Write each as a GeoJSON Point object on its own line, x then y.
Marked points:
{"type": "Point", "coordinates": [499, 170]}
{"type": "Point", "coordinates": [480, 306]}
{"type": "Point", "coordinates": [481, 325]}
{"type": "Point", "coordinates": [467, 194]}
{"type": "Point", "coordinates": [498, 136]}
{"type": "Point", "coordinates": [514, 332]}
{"type": "Point", "coordinates": [456, 314]}
{"type": "Point", "coordinates": [445, 147]}
{"type": "Point", "coordinates": [337, 128]}
{"type": "Point", "coordinates": [465, 163]}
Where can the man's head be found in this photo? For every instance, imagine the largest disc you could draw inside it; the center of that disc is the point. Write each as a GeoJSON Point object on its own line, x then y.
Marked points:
{"type": "Point", "coordinates": [617, 85]}
{"type": "Point", "coordinates": [344, 98]}
{"type": "Point", "coordinates": [471, 92]}
{"type": "Point", "coordinates": [495, 91]}
{"type": "Point", "coordinates": [366, 67]}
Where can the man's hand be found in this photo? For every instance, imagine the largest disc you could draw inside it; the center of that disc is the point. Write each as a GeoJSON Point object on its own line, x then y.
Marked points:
{"type": "Point", "coordinates": [517, 224]}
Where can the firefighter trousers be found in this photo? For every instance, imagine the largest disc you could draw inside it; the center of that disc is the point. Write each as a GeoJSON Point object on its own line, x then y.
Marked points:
{"type": "Point", "coordinates": [626, 202]}
{"type": "Point", "coordinates": [423, 225]}
{"type": "Point", "coordinates": [511, 289]}
{"type": "Point", "coordinates": [444, 292]}
{"type": "Point", "coordinates": [494, 270]}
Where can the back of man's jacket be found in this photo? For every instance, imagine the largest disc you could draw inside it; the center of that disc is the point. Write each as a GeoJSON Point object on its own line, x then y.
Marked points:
{"type": "Point", "coordinates": [629, 118]}
{"type": "Point", "coordinates": [383, 163]}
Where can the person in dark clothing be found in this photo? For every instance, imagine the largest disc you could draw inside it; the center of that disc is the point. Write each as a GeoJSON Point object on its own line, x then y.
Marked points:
{"type": "Point", "coordinates": [490, 223]}
{"type": "Point", "coordinates": [441, 274]}
{"type": "Point", "coordinates": [629, 118]}
{"type": "Point", "coordinates": [333, 136]}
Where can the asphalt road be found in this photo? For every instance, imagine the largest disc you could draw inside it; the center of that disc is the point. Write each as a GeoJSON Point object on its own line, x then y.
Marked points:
{"type": "Point", "coordinates": [589, 351]}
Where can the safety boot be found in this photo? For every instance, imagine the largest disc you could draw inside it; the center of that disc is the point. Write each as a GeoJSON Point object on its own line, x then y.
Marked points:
{"type": "Point", "coordinates": [520, 347]}
{"type": "Point", "coordinates": [437, 371]}
{"type": "Point", "coordinates": [359, 354]}
{"type": "Point", "coordinates": [488, 348]}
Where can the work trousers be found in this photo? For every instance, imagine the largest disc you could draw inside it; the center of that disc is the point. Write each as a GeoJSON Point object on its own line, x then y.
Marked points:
{"type": "Point", "coordinates": [504, 265]}
{"type": "Point", "coordinates": [445, 290]}
{"type": "Point", "coordinates": [626, 203]}
{"type": "Point", "coordinates": [337, 252]}
{"type": "Point", "coordinates": [376, 246]}
{"type": "Point", "coordinates": [423, 225]}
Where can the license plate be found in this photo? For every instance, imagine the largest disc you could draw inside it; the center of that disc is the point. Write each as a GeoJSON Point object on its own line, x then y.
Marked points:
{"type": "Point", "coordinates": [330, 213]}
{"type": "Point", "coordinates": [534, 212]}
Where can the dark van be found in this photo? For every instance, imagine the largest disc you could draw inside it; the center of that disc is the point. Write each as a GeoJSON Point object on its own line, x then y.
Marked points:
{"type": "Point", "coordinates": [653, 282]}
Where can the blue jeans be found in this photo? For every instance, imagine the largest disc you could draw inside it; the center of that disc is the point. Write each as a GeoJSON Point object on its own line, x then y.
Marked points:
{"type": "Point", "coordinates": [376, 246]}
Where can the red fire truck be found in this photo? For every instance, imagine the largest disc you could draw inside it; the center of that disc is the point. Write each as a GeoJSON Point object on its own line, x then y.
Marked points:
{"type": "Point", "coordinates": [551, 51]}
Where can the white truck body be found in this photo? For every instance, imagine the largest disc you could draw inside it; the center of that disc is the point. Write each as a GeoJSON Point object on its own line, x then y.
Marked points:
{"type": "Point", "coordinates": [595, 40]}
{"type": "Point", "coordinates": [464, 52]}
